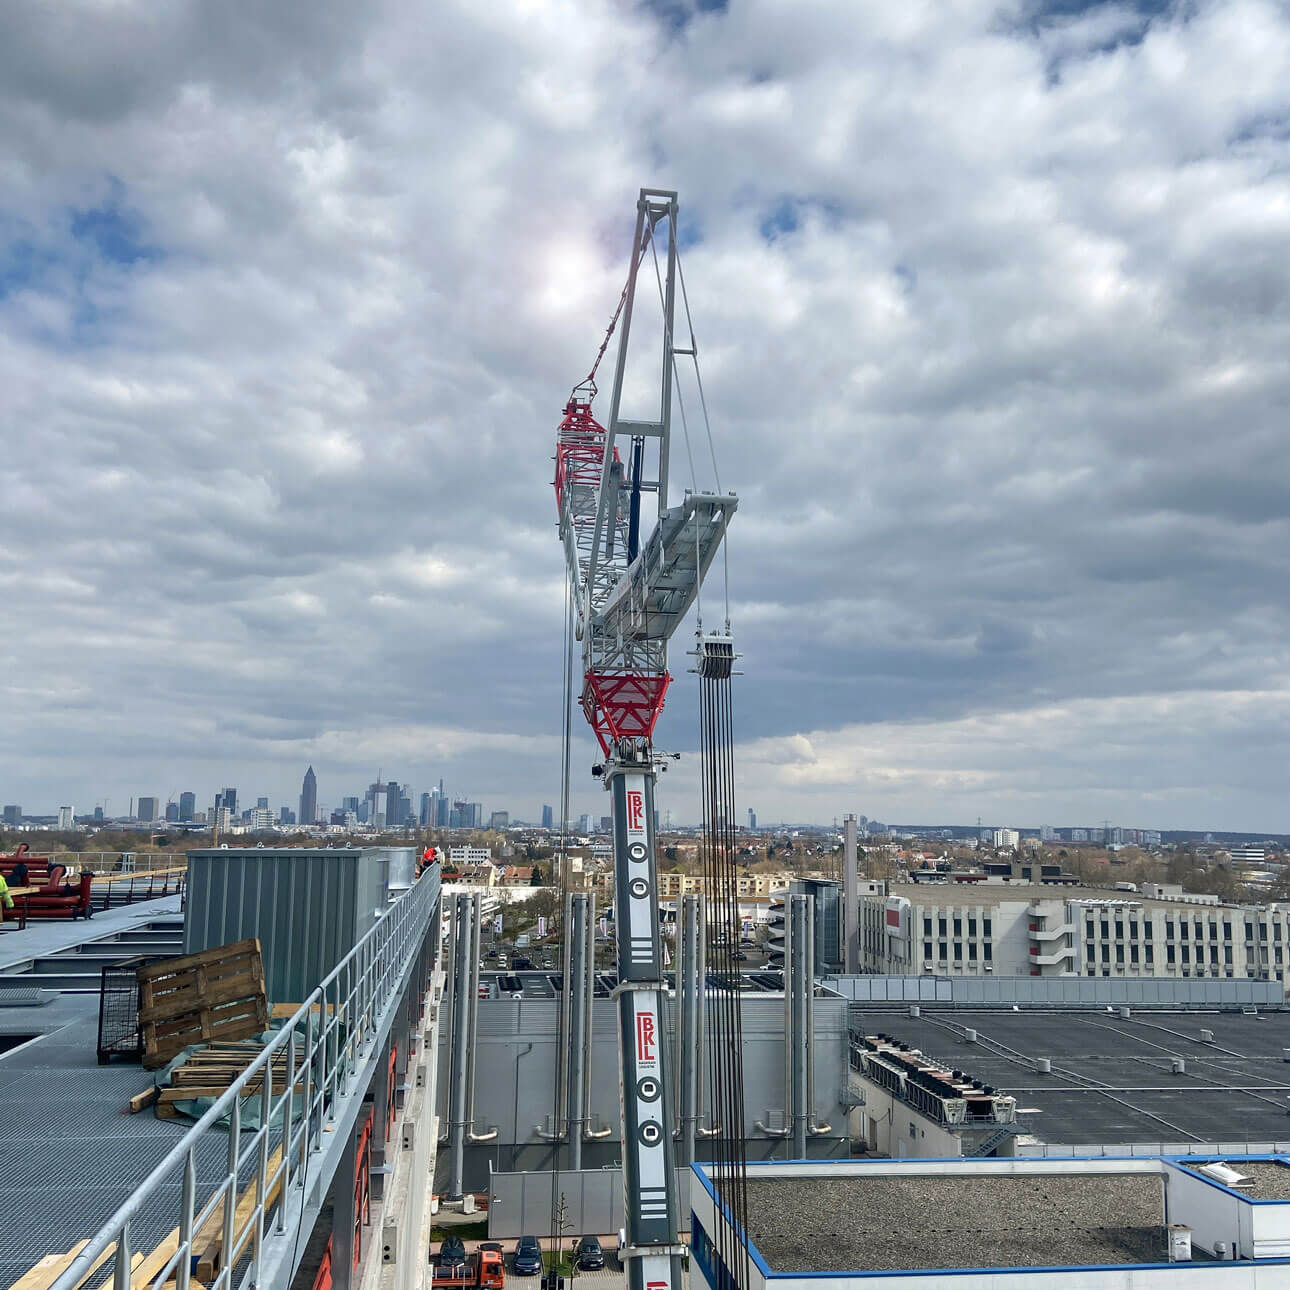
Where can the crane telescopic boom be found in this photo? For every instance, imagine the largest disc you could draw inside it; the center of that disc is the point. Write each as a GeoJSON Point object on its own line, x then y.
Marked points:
{"type": "Point", "coordinates": [630, 595]}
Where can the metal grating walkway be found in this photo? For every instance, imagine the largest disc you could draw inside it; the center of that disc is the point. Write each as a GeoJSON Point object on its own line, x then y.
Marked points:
{"type": "Point", "coordinates": [69, 1154]}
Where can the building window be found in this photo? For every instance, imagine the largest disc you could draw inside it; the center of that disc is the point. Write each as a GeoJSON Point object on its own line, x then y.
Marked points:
{"type": "Point", "coordinates": [987, 952]}
{"type": "Point", "coordinates": [1150, 954]}
{"type": "Point", "coordinates": [943, 954]}
{"type": "Point", "coordinates": [971, 926]}
{"type": "Point", "coordinates": [1106, 929]}
{"type": "Point", "coordinates": [972, 952]}
{"type": "Point", "coordinates": [985, 926]}
{"type": "Point", "coordinates": [1227, 955]}
{"type": "Point", "coordinates": [1169, 954]}
{"type": "Point", "coordinates": [958, 927]}
{"type": "Point", "coordinates": [927, 949]}
{"type": "Point", "coordinates": [941, 928]}
{"type": "Point", "coordinates": [1186, 953]}
{"type": "Point", "coordinates": [1119, 953]}
{"type": "Point", "coordinates": [1106, 953]}
{"type": "Point", "coordinates": [927, 926]}
{"type": "Point", "coordinates": [1133, 953]}
{"type": "Point", "coordinates": [958, 951]}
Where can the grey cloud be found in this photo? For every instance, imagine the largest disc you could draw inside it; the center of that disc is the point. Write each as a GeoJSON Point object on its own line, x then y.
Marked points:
{"type": "Point", "coordinates": [1003, 393]}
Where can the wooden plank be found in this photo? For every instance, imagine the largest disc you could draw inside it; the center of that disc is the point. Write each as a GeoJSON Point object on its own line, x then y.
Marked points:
{"type": "Point", "coordinates": [209, 1241]}
{"type": "Point", "coordinates": [189, 1092]}
{"type": "Point", "coordinates": [108, 1253]}
{"type": "Point", "coordinates": [144, 1099]}
{"type": "Point", "coordinates": [42, 1274]}
{"type": "Point", "coordinates": [170, 966]}
{"type": "Point", "coordinates": [150, 1268]}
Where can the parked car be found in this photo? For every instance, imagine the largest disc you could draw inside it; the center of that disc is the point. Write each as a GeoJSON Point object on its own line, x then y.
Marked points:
{"type": "Point", "coordinates": [527, 1259]}
{"type": "Point", "coordinates": [588, 1256]}
{"type": "Point", "coordinates": [452, 1250]}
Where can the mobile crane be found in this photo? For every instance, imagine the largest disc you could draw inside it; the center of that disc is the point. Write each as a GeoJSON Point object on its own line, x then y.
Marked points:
{"type": "Point", "coordinates": [629, 596]}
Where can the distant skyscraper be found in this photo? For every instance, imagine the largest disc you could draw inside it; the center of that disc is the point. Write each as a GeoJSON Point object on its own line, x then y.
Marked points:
{"type": "Point", "coordinates": [442, 810]}
{"type": "Point", "coordinates": [187, 806]}
{"type": "Point", "coordinates": [261, 803]}
{"type": "Point", "coordinates": [309, 798]}
{"type": "Point", "coordinates": [230, 799]}
{"type": "Point", "coordinates": [13, 814]}
{"type": "Point", "coordinates": [752, 820]}
{"type": "Point", "coordinates": [286, 816]}
{"type": "Point", "coordinates": [427, 806]}
{"type": "Point", "coordinates": [376, 805]}
{"type": "Point", "coordinates": [65, 814]}
{"type": "Point", "coordinates": [548, 818]}
{"type": "Point", "coordinates": [98, 814]}
{"type": "Point", "coordinates": [349, 804]}
{"type": "Point", "coordinates": [172, 812]}
{"type": "Point", "coordinates": [393, 805]}
{"type": "Point", "coordinates": [147, 811]}
{"type": "Point", "coordinates": [499, 820]}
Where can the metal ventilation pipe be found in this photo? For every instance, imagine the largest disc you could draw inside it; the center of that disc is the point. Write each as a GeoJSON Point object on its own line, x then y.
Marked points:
{"type": "Point", "coordinates": [851, 895]}
{"type": "Point", "coordinates": [577, 989]}
{"type": "Point", "coordinates": [799, 990]}
{"type": "Point", "coordinates": [463, 947]}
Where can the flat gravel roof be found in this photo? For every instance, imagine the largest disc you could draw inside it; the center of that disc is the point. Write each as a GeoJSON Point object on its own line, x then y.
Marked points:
{"type": "Point", "coordinates": [886, 1223]}
{"type": "Point", "coordinates": [1268, 1179]}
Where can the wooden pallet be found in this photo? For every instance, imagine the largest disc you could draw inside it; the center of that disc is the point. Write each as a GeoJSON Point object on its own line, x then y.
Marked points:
{"type": "Point", "coordinates": [215, 995]}
{"type": "Point", "coordinates": [210, 1071]}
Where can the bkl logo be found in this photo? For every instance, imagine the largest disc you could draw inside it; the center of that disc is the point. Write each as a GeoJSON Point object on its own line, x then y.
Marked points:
{"type": "Point", "coordinates": [655, 1285]}
{"type": "Point", "coordinates": [635, 811]}
{"type": "Point", "coordinates": [646, 1038]}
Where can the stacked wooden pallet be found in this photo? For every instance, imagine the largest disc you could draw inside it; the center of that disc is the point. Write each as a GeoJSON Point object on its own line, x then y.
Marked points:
{"type": "Point", "coordinates": [217, 995]}
{"type": "Point", "coordinates": [210, 1071]}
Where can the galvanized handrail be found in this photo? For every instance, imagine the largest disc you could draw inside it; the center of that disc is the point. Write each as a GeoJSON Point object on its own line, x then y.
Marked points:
{"type": "Point", "coordinates": [347, 1006]}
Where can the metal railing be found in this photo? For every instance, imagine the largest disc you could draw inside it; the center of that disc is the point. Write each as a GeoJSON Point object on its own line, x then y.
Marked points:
{"type": "Point", "coordinates": [319, 1050]}
{"type": "Point", "coordinates": [125, 889]}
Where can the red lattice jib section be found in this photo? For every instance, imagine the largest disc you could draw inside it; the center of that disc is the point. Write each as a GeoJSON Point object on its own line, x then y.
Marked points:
{"type": "Point", "coordinates": [579, 449]}
{"type": "Point", "coordinates": [623, 705]}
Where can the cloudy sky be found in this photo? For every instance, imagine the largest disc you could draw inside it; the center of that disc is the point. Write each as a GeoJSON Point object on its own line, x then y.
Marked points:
{"type": "Point", "coordinates": [992, 304]}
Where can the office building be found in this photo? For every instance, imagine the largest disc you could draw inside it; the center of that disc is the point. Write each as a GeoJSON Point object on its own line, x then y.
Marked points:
{"type": "Point", "coordinates": [1047, 833]}
{"type": "Point", "coordinates": [65, 820]}
{"type": "Point", "coordinates": [262, 803]}
{"type": "Point", "coordinates": [499, 820]}
{"type": "Point", "coordinates": [309, 798]}
{"type": "Point", "coordinates": [393, 805]}
{"type": "Point", "coordinates": [425, 816]}
{"type": "Point", "coordinates": [261, 818]}
{"type": "Point", "coordinates": [1006, 839]}
{"type": "Point", "coordinates": [752, 820]}
{"type": "Point", "coordinates": [1000, 928]}
{"type": "Point", "coordinates": [172, 812]}
{"type": "Point", "coordinates": [548, 818]}
{"type": "Point", "coordinates": [585, 823]}
{"type": "Point", "coordinates": [442, 810]}
{"type": "Point", "coordinates": [147, 810]}
{"type": "Point", "coordinates": [98, 815]}
{"type": "Point", "coordinates": [222, 818]}
{"type": "Point", "coordinates": [187, 807]}
{"type": "Point", "coordinates": [286, 816]}
{"type": "Point", "coordinates": [229, 798]}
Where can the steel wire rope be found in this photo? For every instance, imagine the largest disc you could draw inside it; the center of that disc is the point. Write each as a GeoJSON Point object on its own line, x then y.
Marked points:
{"type": "Point", "coordinates": [680, 400]}
{"type": "Point", "coordinates": [725, 1028]}
{"type": "Point", "coordinates": [707, 428]}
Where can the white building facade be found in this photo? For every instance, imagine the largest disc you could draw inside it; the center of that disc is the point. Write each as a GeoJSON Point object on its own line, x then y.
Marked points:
{"type": "Point", "coordinates": [985, 929]}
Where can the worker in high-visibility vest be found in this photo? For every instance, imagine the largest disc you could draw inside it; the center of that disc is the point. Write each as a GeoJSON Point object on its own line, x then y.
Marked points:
{"type": "Point", "coordinates": [6, 900]}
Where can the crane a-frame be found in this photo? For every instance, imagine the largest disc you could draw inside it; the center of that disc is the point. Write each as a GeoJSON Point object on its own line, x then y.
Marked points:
{"type": "Point", "coordinates": [630, 594]}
